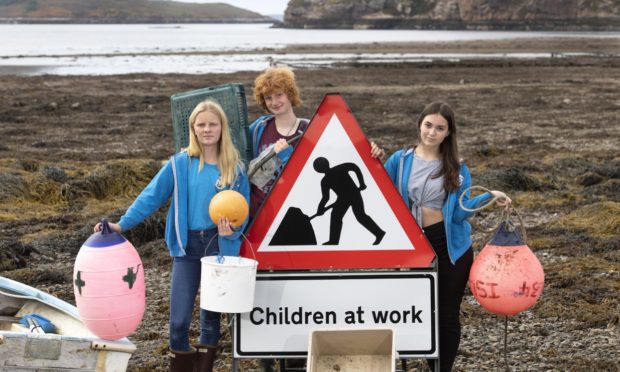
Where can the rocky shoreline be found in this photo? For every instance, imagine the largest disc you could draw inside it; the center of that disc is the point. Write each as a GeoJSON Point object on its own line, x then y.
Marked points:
{"type": "Point", "coordinates": [530, 15]}
{"type": "Point", "coordinates": [78, 148]}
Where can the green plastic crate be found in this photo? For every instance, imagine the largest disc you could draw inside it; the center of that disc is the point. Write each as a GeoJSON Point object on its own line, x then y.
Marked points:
{"type": "Point", "coordinates": [232, 99]}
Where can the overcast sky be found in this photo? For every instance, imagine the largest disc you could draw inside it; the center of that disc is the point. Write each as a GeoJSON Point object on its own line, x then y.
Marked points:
{"type": "Point", "coordinates": [260, 6]}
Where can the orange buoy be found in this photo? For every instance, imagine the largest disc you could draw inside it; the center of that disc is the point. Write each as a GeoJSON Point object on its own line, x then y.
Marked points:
{"type": "Point", "coordinates": [229, 204]}
{"type": "Point", "coordinates": [506, 277]}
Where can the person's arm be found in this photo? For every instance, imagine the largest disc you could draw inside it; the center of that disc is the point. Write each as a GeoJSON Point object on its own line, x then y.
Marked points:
{"type": "Point", "coordinates": [154, 195]}
{"type": "Point", "coordinates": [282, 147]}
{"type": "Point", "coordinates": [229, 239]}
{"type": "Point", "coordinates": [460, 214]}
{"type": "Point", "coordinates": [376, 151]}
{"type": "Point", "coordinates": [391, 167]}
{"type": "Point", "coordinates": [283, 150]}
{"type": "Point", "coordinates": [113, 226]}
{"type": "Point", "coordinates": [254, 128]}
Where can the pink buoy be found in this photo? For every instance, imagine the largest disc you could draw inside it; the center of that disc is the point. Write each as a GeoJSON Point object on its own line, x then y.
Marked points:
{"type": "Point", "coordinates": [506, 277]}
{"type": "Point", "coordinates": [108, 283]}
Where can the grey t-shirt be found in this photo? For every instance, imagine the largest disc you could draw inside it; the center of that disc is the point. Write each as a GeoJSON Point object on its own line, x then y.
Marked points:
{"type": "Point", "coordinates": [423, 190]}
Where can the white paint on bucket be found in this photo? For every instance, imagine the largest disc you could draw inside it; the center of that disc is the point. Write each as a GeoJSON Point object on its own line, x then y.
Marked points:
{"type": "Point", "coordinates": [227, 286]}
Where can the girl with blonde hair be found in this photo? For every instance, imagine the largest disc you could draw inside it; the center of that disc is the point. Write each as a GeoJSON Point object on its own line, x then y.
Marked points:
{"type": "Point", "coordinates": [190, 179]}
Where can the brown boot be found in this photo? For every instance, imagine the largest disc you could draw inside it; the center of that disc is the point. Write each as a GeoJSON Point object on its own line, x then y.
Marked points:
{"type": "Point", "coordinates": [205, 358]}
{"type": "Point", "coordinates": [182, 361]}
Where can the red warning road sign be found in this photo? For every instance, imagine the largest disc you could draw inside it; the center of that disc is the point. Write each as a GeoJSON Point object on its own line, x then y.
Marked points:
{"type": "Point", "coordinates": [334, 206]}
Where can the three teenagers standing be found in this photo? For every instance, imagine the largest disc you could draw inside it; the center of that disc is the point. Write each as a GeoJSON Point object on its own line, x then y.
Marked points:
{"type": "Point", "coordinates": [189, 180]}
{"type": "Point", "coordinates": [431, 178]}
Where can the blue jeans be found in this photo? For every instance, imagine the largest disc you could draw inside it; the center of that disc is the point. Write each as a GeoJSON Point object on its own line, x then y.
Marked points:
{"type": "Point", "coordinates": [183, 289]}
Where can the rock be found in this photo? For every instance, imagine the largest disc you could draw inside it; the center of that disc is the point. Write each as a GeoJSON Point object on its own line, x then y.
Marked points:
{"type": "Point", "coordinates": [589, 179]}
{"type": "Point", "coordinates": [54, 174]}
{"type": "Point", "coordinates": [454, 14]}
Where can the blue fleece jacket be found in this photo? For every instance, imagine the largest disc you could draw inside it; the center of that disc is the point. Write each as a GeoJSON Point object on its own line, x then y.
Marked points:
{"type": "Point", "coordinates": [172, 182]}
{"type": "Point", "coordinates": [458, 230]}
{"type": "Point", "coordinates": [256, 133]}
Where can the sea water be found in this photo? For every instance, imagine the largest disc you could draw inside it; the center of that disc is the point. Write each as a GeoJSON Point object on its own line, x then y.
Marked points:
{"type": "Point", "coordinates": [70, 49]}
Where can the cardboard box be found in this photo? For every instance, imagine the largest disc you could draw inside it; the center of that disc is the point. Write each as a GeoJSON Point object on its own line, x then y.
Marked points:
{"type": "Point", "coordinates": [359, 350]}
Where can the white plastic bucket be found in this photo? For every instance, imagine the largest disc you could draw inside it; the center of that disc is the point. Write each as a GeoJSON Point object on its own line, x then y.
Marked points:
{"type": "Point", "coordinates": [227, 286]}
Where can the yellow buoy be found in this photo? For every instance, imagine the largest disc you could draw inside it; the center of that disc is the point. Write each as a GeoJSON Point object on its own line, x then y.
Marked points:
{"type": "Point", "coordinates": [229, 204]}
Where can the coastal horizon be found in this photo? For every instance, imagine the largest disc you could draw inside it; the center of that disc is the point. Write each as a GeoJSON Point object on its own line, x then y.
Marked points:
{"type": "Point", "coordinates": [309, 50]}
{"type": "Point", "coordinates": [77, 148]}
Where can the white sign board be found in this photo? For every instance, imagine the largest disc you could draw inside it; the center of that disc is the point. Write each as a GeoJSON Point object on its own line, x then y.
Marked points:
{"type": "Point", "coordinates": [288, 306]}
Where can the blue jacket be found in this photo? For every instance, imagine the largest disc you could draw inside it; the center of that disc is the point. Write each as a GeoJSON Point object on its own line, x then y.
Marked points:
{"type": "Point", "coordinates": [256, 133]}
{"type": "Point", "coordinates": [458, 230]}
{"type": "Point", "coordinates": [172, 182]}
{"type": "Point", "coordinates": [257, 128]}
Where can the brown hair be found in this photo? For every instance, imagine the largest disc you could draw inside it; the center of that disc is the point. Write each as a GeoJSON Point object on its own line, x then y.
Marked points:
{"type": "Point", "coordinates": [276, 79]}
{"type": "Point", "coordinates": [448, 148]}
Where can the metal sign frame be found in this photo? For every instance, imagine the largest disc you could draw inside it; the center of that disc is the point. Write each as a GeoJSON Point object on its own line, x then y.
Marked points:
{"type": "Point", "coordinates": [367, 297]}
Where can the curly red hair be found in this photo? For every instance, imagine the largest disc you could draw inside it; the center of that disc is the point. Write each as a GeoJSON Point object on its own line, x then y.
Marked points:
{"type": "Point", "coordinates": [276, 79]}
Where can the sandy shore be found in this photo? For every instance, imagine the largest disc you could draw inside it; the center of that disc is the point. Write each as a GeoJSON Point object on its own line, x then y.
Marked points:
{"type": "Point", "coordinates": [545, 131]}
{"type": "Point", "coordinates": [528, 48]}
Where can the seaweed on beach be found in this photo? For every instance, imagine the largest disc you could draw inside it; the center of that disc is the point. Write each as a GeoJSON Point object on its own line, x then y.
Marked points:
{"type": "Point", "coordinates": [12, 186]}
{"type": "Point", "coordinates": [13, 254]}
{"type": "Point", "coordinates": [512, 179]}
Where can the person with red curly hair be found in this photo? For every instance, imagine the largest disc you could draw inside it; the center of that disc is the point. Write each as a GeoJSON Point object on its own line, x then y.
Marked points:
{"type": "Point", "coordinates": [276, 91]}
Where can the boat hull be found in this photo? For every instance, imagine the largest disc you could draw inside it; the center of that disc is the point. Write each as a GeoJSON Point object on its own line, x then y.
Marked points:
{"type": "Point", "coordinates": [73, 347]}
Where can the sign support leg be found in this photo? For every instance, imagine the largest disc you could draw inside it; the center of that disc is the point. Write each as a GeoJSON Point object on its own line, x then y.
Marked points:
{"type": "Point", "coordinates": [231, 323]}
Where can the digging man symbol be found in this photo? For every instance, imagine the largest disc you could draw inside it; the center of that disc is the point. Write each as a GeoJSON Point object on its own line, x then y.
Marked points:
{"type": "Point", "coordinates": [348, 195]}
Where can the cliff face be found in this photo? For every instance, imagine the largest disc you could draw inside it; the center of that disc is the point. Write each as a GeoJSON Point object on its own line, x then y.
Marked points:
{"type": "Point", "coordinates": [455, 14]}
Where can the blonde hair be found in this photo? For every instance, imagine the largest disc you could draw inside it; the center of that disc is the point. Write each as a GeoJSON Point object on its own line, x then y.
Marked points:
{"type": "Point", "coordinates": [276, 79]}
{"type": "Point", "coordinates": [228, 158]}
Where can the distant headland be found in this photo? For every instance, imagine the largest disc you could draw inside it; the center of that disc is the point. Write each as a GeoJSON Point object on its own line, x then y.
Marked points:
{"type": "Point", "coordinates": [123, 11]}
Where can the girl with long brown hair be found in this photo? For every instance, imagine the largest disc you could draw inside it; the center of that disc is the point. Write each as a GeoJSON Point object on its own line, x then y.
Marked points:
{"type": "Point", "coordinates": [430, 178]}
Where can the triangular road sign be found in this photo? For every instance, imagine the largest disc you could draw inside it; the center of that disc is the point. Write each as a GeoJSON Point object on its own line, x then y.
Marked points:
{"type": "Point", "coordinates": [365, 223]}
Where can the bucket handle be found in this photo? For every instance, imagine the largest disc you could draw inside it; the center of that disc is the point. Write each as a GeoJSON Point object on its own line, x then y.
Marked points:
{"type": "Point", "coordinates": [251, 248]}
{"type": "Point", "coordinates": [220, 257]}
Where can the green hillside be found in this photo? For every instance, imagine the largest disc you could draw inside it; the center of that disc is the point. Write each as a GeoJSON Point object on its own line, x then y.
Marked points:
{"type": "Point", "coordinates": [122, 11]}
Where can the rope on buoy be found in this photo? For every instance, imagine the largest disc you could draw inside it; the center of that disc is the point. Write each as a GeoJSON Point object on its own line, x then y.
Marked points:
{"type": "Point", "coordinates": [505, 217]}
{"type": "Point", "coordinates": [506, 212]}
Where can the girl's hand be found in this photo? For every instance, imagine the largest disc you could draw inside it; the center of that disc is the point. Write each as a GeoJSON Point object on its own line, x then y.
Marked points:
{"type": "Point", "coordinates": [224, 228]}
{"type": "Point", "coordinates": [113, 226]}
{"type": "Point", "coordinates": [503, 200]}
{"type": "Point", "coordinates": [280, 145]}
{"type": "Point", "coordinates": [376, 151]}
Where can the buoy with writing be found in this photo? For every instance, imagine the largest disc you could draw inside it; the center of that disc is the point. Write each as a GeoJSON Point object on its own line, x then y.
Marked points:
{"type": "Point", "coordinates": [108, 283]}
{"type": "Point", "coordinates": [229, 204]}
{"type": "Point", "coordinates": [506, 277]}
